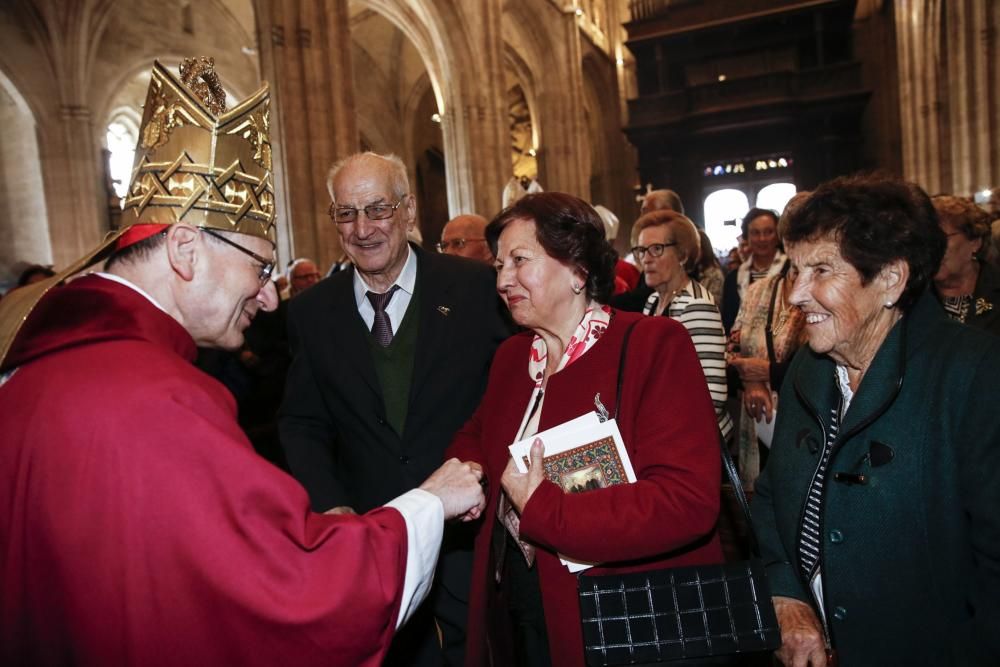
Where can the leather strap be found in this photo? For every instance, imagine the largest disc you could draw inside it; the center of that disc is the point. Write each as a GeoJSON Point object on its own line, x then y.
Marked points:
{"type": "Point", "coordinates": [727, 460]}
{"type": "Point", "coordinates": [621, 368]}
{"type": "Point", "coordinates": [741, 497]}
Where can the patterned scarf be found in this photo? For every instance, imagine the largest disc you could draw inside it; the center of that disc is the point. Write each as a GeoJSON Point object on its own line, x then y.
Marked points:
{"type": "Point", "coordinates": [593, 325]}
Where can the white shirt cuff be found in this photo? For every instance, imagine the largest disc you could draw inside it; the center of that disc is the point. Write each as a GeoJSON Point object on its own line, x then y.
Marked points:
{"type": "Point", "coordinates": [423, 513]}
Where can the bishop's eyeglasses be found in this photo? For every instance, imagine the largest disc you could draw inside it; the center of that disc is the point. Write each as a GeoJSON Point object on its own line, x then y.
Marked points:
{"type": "Point", "coordinates": [267, 266]}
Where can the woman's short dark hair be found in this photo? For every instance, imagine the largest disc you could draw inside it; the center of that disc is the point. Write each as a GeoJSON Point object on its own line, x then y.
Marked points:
{"type": "Point", "coordinates": [752, 215]}
{"type": "Point", "coordinates": [875, 219]}
{"type": "Point", "coordinates": [570, 231]}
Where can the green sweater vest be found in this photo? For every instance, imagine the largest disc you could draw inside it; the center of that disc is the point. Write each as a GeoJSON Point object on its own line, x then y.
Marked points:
{"type": "Point", "coordinates": [394, 365]}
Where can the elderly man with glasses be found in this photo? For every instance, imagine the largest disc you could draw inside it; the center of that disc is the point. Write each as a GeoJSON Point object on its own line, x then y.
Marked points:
{"type": "Point", "coordinates": [465, 236]}
{"type": "Point", "coordinates": [390, 358]}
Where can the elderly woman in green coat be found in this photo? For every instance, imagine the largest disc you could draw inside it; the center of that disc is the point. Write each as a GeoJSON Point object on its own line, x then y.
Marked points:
{"type": "Point", "coordinates": [879, 509]}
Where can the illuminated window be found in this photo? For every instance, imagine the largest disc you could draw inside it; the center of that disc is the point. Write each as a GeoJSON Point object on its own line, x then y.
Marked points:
{"type": "Point", "coordinates": [775, 196]}
{"type": "Point", "coordinates": [121, 139]}
{"type": "Point", "coordinates": [724, 209]}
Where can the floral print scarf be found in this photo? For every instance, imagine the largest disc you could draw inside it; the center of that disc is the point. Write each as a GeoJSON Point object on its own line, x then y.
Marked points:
{"type": "Point", "coordinates": [593, 325]}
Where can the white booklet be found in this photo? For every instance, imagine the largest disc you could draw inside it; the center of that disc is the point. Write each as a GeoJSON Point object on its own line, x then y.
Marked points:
{"type": "Point", "coordinates": [765, 429]}
{"type": "Point", "coordinates": [581, 455]}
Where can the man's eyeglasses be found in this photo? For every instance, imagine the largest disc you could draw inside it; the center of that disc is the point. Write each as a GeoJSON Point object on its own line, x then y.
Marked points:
{"type": "Point", "coordinates": [267, 266]}
{"type": "Point", "coordinates": [347, 214]}
{"type": "Point", "coordinates": [456, 244]}
{"type": "Point", "coordinates": [654, 250]}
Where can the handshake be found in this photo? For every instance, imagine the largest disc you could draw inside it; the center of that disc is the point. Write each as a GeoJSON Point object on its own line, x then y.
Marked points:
{"type": "Point", "coordinates": [460, 486]}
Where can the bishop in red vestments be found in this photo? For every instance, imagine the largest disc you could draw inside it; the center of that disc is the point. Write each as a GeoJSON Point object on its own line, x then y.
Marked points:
{"type": "Point", "coordinates": [137, 524]}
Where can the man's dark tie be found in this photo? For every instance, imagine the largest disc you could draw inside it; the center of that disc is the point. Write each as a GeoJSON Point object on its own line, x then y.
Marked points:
{"type": "Point", "coordinates": [382, 329]}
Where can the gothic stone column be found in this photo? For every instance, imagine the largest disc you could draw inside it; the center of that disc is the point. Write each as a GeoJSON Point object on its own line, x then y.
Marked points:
{"type": "Point", "coordinates": [305, 55]}
{"type": "Point", "coordinates": [563, 157]}
{"type": "Point", "coordinates": [72, 175]}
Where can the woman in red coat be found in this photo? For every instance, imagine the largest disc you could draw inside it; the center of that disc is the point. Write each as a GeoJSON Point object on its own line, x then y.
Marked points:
{"type": "Point", "coordinates": [555, 272]}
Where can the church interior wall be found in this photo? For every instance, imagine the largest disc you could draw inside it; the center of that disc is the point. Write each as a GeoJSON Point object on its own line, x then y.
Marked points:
{"type": "Point", "coordinates": [24, 233]}
{"type": "Point", "coordinates": [434, 81]}
{"type": "Point", "coordinates": [875, 44]}
{"type": "Point", "coordinates": [429, 180]}
{"type": "Point", "coordinates": [395, 103]}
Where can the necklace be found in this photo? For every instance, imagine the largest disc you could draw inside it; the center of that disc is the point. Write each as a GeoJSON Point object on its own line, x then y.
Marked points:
{"type": "Point", "coordinates": [664, 304]}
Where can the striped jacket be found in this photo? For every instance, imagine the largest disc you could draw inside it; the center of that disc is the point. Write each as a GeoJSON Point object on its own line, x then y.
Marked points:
{"type": "Point", "coordinates": [696, 310]}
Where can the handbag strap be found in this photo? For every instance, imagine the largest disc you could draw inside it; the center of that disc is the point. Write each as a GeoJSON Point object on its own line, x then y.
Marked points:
{"type": "Point", "coordinates": [741, 497]}
{"type": "Point", "coordinates": [621, 368]}
{"type": "Point", "coordinates": [727, 460]}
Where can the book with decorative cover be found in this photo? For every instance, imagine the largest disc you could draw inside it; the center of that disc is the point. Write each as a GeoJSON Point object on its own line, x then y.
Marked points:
{"type": "Point", "coordinates": [593, 465]}
{"type": "Point", "coordinates": [581, 455]}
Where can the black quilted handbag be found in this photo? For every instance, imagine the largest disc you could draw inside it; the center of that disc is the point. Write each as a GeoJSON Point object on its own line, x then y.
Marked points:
{"type": "Point", "coordinates": [702, 611]}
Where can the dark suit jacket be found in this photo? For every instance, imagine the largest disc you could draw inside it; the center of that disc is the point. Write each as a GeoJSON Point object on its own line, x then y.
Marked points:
{"type": "Point", "coordinates": [337, 440]}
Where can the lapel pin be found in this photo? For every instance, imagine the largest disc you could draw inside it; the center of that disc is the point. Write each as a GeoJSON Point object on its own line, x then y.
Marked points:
{"type": "Point", "coordinates": [444, 310]}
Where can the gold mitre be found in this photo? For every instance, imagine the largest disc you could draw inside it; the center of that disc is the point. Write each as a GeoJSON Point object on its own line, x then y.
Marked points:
{"type": "Point", "coordinates": [197, 163]}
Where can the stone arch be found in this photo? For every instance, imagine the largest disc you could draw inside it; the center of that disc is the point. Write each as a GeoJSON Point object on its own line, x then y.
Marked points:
{"type": "Point", "coordinates": [519, 69]}
{"type": "Point", "coordinates": [383, 137]}
{"type": "Point", "coordinates": [466, 91]}
{"type": "Point", "coordinates": [424, 146]}
{"type": "Point", "coordinates": [24, 228]}
{"type": "Point", "coordinates": [415, 103]}
{"type": "Point", "coordinates": [21, 49]}
{"type": "Point", "coordinates": [525, 36]}
{"type": "Point", "coordinates": [412, 26]}
{"type": "Point", "coordinates": [548, 41]}
{"type": "Point", "coordinates": [119, 65]}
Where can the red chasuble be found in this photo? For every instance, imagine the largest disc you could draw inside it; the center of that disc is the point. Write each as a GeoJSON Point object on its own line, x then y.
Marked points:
{"type": "Point", "coordinates": [139, 527]}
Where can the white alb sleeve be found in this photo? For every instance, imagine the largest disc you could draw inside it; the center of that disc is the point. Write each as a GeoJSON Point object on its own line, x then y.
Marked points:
{"type": "Point", "coordinates": [424, 517]}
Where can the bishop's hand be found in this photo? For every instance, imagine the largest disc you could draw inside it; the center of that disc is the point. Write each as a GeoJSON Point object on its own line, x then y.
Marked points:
{"type": "Point", "coordinates": [457, 485]}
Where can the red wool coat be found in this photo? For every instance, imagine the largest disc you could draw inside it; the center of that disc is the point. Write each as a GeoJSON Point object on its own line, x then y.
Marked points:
{"type": "Point", "coordinates": [668, 425]}
{"type": "Point", "coordinates": [138, 526]}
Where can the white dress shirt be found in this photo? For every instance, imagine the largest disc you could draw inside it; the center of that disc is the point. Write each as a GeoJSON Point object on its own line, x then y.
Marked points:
{"type": "Point", "coordinates": [407, 281]}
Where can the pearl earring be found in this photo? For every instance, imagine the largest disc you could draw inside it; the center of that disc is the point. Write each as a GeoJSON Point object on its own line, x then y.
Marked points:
{"type": "Point", "coordinates": [888, 304]}
{"type": "Point", "coordinates": [577, 289]}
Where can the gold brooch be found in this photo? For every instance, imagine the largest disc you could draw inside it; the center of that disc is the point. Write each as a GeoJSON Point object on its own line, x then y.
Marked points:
{"type": "Point", "coordinates": [983, 306]}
